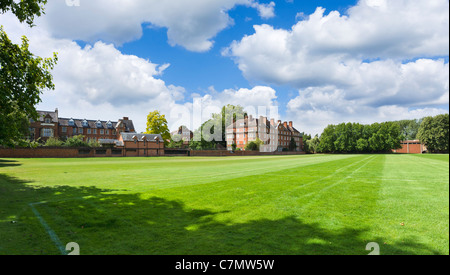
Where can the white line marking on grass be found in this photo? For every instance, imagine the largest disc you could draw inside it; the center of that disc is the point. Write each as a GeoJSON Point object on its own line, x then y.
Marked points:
{"type": "Point", "coordinates": [47, 228]}
{"type": "Point", "coordinates": [317, 194]}
{"type": "Point", "coordinates": [245, 173]}
{"type": "Point", "coordinates": [332, 175]}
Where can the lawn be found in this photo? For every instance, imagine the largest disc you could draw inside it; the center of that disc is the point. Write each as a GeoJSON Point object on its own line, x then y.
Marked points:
{"type": "Point", "coordinates": [312, 204]}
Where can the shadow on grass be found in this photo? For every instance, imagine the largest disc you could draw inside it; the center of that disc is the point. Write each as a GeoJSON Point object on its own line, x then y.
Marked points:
{"type": "Point", "coordinates": [102, 222]}
{"type": "Point", "coordinates": [8, 163]}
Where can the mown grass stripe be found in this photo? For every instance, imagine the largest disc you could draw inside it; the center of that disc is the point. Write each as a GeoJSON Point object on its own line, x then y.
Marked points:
{"type": "Point", "coordinates": [48, 229]}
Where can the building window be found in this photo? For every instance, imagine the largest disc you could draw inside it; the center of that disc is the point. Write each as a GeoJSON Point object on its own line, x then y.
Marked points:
{"type": "Point", "coordinates": [85, 123]}
{"type": "Point", "coordinates": [47, 133]}
{"type": "Point", "coordinates": [64, 129]}
{"type": "Point", "coordinates": [74, 131]}
{"type": "Point", "coordinates": [107, 132]}
{"type": "Point", "coordinates": [102, 132]}
{"type": "Point", "coordinates": [71, 122]}
{"type": "Point", "coordinates": [80, 130]}
{"type": "Point", "coordinates": [89, 131]}
{"type": "Point", "coordinates": [95, 131]}
{"type": "Point", "coordinates": [48, 120]}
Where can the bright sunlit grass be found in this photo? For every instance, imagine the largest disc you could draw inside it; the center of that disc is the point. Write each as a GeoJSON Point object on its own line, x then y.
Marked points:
{"type": "Point", "coordinates": [318, 204]}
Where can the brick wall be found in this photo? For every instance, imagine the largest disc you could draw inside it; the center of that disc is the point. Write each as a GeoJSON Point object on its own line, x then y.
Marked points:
{"type": "Point", "coordinates": [49, 152]}
{"type": "Point", "coordinates": [411, 147]}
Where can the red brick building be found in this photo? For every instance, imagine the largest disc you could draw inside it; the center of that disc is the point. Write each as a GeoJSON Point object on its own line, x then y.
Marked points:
{"type": "Point", "coordinates": [275, 136]}
{"type": "Point", "coordinates": [184, 134]}
{"type": "Point", "coordinates": [50, 125]}
{"type": "Point", "coordinates": [411, 147]}
{"type": "Point", "coordinates": [141, 145]}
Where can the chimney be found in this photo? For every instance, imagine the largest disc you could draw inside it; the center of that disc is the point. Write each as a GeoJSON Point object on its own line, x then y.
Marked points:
{"type": "Point", "coordinates": [125, 118]}
{"type": "Point", "coordinates": [272, 122]}
{"type": "Point", "coordinates": [291, 124]}
{"type": "Point", "coordinates": [279, 121]}
{"type": "Point", "coordinates": [251, 117]}
{"type": "Point", "coordinates": [285, 124]}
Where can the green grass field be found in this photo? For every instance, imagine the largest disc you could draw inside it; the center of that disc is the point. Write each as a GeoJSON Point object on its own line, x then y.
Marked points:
{"type": "Point", "coordinates": [314, 204]}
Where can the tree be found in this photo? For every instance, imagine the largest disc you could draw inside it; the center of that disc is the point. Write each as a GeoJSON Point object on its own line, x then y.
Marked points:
{"type": "Point", "coordinates": [409, 128]}
{"type": "Point", "coordinates": [23, 76]}
{"type": "Point", "coordinates": [157, 124]}
{"type": "Point", "coordinates": [13, 127]}
{"type": "Point", "coordinates": [25, 10]}
{"type": "Point", "coordinates": [292, 145]}
{"type": "Point", "coordinates": [327, 140]}
{"type": "Point", "coordinates": [175, 142]}
{"type": "Point", "coordinates": [251, 146]}
{"type": "Point", "coordinates": [354, 137]}
{"type": "Point", "coordinates": [362, 145]}
{"type": "Point", "coordinates": [313, 144]}
{"type": "Point", "coordinates": [434, 133]}
{"type": "Point", "coordinates": [213, 132]}
{"type": "Point", "coordinates": [306, 147]}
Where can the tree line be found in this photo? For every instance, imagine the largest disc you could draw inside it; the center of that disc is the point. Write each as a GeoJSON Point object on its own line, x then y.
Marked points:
{"type": "Point", "coordinates": [381, 137]}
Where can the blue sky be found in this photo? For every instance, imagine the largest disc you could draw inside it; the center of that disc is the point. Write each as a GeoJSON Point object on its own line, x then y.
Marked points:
{"type": "Point", "coordinates": [198, 71]}
{"type": "Point", "coordinates": [318, 62]}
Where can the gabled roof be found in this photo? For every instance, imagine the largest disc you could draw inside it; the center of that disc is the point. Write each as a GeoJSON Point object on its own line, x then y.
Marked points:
{"type": "Point", "coordinates": [43, 114]}
{"type": "Point", "coordinates": [92, 123]}
{"type": "Point", "coordinates": [149, 137]}
{"type": "Point", "coordinates": [126, 124]}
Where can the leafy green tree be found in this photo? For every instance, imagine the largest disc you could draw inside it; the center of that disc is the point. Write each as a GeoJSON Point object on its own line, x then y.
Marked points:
{"type": "Point", "coordinates": [14, 126]}
{"type": "Point", "coordinates": [24, 10]}
{"type": "Point", "coordinates": [175, 142]}
{"type": "Point", "coordinates": [409, 128]}
{"type": "Point", "coordinates": [434, 133]}
{"type": "Point", "coordinates": [292, 145]}
{"type": "Point", "coordinates": [157, 124]}
{"type": "Point", "coordinates": [354, 137]}
{"type": "Point", "coordinates": [313, 144]}
{"type": "Point", "coordinates": [306, 138]}
{"type": "Point", "coordinates": [213, 132]}
{"type": "Point", "coordinates": [362, 145]}
{"type": "Point", "coordinates": [23, 76]}
{"type": "Point", "coordinates": [251, 146]}
{"type": "Point", "coordinates": [327, 140]}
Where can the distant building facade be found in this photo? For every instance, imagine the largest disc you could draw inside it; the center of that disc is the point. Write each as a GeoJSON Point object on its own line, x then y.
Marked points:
{"type": "Point", "coordinates": [275, 136]}
{"type": "Point", "coordinates": [141, 145]}
{"type": "Point", "coordinates": [50, 125]}
{"type": "Point", "coordinates": [184, 134]}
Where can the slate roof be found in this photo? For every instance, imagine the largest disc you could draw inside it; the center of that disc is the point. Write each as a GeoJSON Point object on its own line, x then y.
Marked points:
{"type": "Point", "coordinates": [128, 124]}
{"type": "Point", "coordinates": [43, 114]}
{"type": "Point", "coordinates": [129, 137]}
{"type": "Point", "coordinates": [91, 123]}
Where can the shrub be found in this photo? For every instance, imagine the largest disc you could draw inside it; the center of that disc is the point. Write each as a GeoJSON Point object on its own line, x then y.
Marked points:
{"type": "Point", "coordinates": [76, 141]}
{"type": "Point", "coordinates": [54, 142]}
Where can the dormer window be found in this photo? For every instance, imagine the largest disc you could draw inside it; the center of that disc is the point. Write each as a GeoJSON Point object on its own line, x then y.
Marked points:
{"type": "Point", "coordinates": [99, 124]}
{"type": "Point", "coordinates": [85, 123]}
{"type": "Point", "coordinates": [48, 120]}
{"type": "Point", "coordinates": [72, 122]}
{"type": "Point", "coordinates": [109, 124]}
